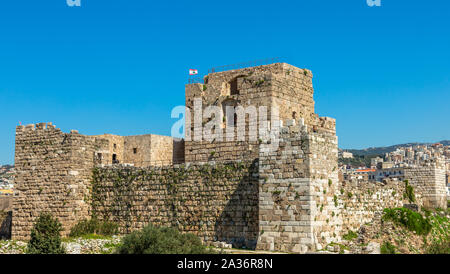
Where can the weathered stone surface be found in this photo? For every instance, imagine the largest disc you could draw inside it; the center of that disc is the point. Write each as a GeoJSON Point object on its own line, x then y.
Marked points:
{"type": "Point", "coordinates": [245, 193]}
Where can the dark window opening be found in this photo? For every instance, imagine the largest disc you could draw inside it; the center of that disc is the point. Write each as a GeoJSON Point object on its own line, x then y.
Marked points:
{"type": "Point", "coordinates": [234, 86]}
{"type": "Point", "coordinates": [115, 146]}
{"type": "Point", "coordinates": [134, 150]}
{"type": "Point", "coordinates": [99, 157]}
{"type": "Point", "coordinates": [114, 159]}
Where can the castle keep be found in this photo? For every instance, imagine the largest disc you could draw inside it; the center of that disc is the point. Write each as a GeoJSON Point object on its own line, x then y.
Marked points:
{"type": "Point", "coordinates": [240, 192]}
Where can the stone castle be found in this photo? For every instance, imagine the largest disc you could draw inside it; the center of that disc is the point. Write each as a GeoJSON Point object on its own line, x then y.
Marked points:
{"type": "Point", "coordinates": [239, 192]}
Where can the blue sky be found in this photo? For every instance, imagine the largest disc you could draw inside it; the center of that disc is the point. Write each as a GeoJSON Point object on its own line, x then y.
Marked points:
{"type": "Point", "coordinates": [120, 66]}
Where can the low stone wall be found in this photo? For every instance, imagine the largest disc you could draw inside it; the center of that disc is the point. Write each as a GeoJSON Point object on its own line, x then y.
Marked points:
{"type": "Point", "coordinates": [214, 201]}
{"type": "Point", "coordinates": [360, 202]}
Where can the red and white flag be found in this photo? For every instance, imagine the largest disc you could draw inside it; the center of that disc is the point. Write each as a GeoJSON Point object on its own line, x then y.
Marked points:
{"type": "Point", "coordinates": [193, 72]}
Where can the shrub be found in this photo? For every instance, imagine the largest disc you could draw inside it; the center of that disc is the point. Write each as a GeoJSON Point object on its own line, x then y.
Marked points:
{"type": "Point", "coordinates": [45, 236]}
{"type": "Point", "coordinates": [387, 248]}
{"type": "Point", "coordinates": [161, 240]}
{"type": "Point", "coordinates": [94, 226]}
{"type": "Point", "coordinates": [350, 236]}
{"type": "Point", "coordinates": [413, 221]}
{"type": "Point", "coordinates": [439, 248]}
{"type": "Point", "coordinates": [409, 192]}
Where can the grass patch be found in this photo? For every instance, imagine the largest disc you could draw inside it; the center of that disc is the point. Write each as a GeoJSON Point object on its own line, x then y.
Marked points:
{"type": "Point", "coordinates": [413, 221]}
{"type": "Point", "coordinates": [350, 235]}
{"type": "Point", "coordinates": [387, 248]}
{"type": "Point", "coordinates": [93, 227]}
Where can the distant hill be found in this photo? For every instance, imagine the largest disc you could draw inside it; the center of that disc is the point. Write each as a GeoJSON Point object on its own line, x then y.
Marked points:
{"type": "Point", "coordinates": [383, 150]}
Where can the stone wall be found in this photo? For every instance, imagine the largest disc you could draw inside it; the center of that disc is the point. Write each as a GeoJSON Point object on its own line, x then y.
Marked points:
{"type": "Point", "coordinates": [277, 85]}
{"type": "Point", "coordinates": [6, 203]}
{"type": "Point", "coordinates": [214, 201]}
{"type": "Point", "coordinates": [282, 196]}
{"type": "Point", "coordinates": [5, 216]}
{"type": "Point", "coordinates": [138, 150]}
{"type": "Point", "coordinates": [114, 149]}
{"type": "Point", "coordinates": [297, 189]}
{"type": "Point", "coordinates": [53, 173]}
{"type": "Point", "coordinates": [360, 202]}
{"type": "Point", "coordinates": [430, 183]}
{"type": "Point", "coordinates": [285, 194]}
{"type": "Point", "coordinates": [142, 150]}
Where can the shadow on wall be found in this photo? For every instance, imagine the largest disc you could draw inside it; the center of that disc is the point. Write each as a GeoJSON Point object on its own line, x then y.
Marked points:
{"type": "Point", "coordinates": [5, 217]}
{"type": "Point", "coordinates": [238, 223]}
{"type": "Point", "coordinates": [5, 225]}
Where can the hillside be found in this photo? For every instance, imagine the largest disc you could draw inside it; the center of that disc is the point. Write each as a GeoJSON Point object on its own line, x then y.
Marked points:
{"type": "Point", "coordinates": [383, 150]}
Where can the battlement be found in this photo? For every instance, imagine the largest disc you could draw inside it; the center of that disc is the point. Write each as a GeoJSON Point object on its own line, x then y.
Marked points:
{"type": "Point", "coordinates": [30, 128]}
{"type": "Point", "coordinates": [275, 68]}
{"type": "Point", "coordinates": [33, 127]}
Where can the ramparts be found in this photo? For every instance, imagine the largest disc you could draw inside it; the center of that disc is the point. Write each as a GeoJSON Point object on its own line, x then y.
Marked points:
{"type": "Point", "coordinates": [249, 193]}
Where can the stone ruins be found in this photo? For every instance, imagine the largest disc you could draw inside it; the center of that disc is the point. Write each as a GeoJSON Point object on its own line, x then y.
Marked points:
{"type": "Point", "coordinates": [239, 192]}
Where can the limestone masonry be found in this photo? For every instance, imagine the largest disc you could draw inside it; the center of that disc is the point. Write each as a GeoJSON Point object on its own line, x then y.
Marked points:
{"type": "Point", "coordinates": [239, 192]}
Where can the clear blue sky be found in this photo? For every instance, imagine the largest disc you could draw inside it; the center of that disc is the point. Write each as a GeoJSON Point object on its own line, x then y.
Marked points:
{"type": "Point", "coordinates": [120, 66]}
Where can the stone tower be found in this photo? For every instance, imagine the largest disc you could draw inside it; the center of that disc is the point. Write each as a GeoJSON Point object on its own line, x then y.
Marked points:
{"type": "Point", "coordinates": [276, 85]}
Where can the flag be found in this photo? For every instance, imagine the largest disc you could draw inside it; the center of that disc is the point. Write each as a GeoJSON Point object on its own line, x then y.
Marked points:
{"type": "Point", "coordinates": [193, 72]}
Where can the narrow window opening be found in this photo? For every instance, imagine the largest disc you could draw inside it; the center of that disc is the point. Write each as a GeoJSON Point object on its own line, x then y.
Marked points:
{"type": "Point", "coordinates": [114, 159]}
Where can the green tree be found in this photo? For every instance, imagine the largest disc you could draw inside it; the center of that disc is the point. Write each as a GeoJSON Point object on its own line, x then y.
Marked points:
{"type": "Point", "coordinates": [45, 236]}
{"type": "Point", "coordinates": [161, 240]}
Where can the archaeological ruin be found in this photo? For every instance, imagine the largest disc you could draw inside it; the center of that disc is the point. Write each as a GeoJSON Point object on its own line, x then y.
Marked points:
{"type": "Point", "coordinates": [238, 192]}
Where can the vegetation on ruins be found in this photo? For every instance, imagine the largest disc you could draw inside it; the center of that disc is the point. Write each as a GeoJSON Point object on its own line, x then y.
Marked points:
{"type": "Point", "coordinates": [45, 236]}
{"type": "Point", "coordinates": [439, 248]}
{"type": "Point", "coordinates": [95, 227]}
{"type": "Point", "coordinates": [161, 240]}
{"type": "Point", "coordinates": [409, 192]}
{"type": "Point", "coordinates": [416, 232]}
{"type": "Point", "coordinates": [113, 192]}
{"type": "Point", "coordinates": [350, 236]}
{"type": "Point", "coordinates": [387, 248]}
{"type": "Point", "coordinates": [413, 221]}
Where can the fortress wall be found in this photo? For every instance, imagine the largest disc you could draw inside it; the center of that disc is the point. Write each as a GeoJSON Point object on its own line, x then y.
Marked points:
{"type": "Point", "coordinates": [138, 150]}
{"type": "Point", "coordinates": [293, 94]}
{"type": "Point", "coordinates": [298, 182]}
{"type": "Point", "coordinates": [5, 216]}
{"type": "Point", "coordinates": [361, 202]}
{"type": "Point", "coordinates": [53, 172]}
{"type": "Point", "coordinates": [283, 199]}
{"type": "Point", "coordinates": [178, 151]}
{"type": "Point", "coordinates": [322, 146]}
{"type": "Point", "coordinates": [6, 203]}
{"type": "Point", "coordinates": [430, 183]}
{"type": "Point", "coordinates": [162, 150]}
{"type": "Point", "coordinates": [115, 146]}
{"type": "Point", "coordinates": [268, 86]}
{"type": "Point", "coordinates": [214, 201]}
{"type": "Point", "coordinates": [285, 194]}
